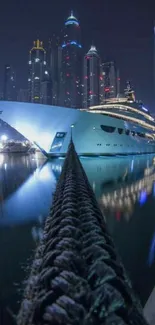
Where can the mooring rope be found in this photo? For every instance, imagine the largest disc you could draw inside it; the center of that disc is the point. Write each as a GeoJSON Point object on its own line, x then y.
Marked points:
{"type": "Point", "coordinates": [77, 276]}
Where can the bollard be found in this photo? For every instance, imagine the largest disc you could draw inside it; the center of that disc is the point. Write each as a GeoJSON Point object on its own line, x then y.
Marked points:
{"type": "Point", "coordinates": [77, 276]}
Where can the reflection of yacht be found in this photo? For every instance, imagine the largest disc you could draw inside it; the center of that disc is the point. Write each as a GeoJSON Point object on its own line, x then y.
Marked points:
{"type": "Point", "coordinates": [16, 147]}
{"type": "Point", "coordinates": [118, 126]}
{"type": "Point", "coordinates": [118, 183]}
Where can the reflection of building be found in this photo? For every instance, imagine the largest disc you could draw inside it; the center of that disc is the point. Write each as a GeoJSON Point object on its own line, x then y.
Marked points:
{"type": "Point", "coordinates": [38, 71]}
{"type": "Point", "coordinates": [23, 95]}
{"type": "Point", "coordinates": [92, 78]}
{"type": "Point", "coordinates": [9, 92]}
{"type": "Point", "coordinates": [71, 64]}
{"type": "Point", "coordinates": [54, 62]}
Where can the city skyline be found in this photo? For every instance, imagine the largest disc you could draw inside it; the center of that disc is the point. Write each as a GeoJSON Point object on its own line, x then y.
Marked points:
{"type": "Point", "coordinates": [125, 39]}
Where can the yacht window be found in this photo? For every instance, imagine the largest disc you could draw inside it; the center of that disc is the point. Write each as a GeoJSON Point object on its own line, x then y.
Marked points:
{"type": "Point", "coordinates": [142, 135]}
{"type": "Point", "coordinates": [120, 131]}
{"type": "Point", "coordinates": [133, 133]}
{"type": "Point", "coordinates": [107, 128]}
{"type": "Point", "coordinates": [127, 132]}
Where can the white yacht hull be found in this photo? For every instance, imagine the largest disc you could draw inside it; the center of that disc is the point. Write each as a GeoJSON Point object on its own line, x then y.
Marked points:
{"type": "Point", "coordinates": [49, 127]}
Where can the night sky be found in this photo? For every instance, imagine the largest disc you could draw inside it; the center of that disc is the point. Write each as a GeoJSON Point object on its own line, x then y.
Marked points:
{"type": "Point", "coordinates": [121, 30]}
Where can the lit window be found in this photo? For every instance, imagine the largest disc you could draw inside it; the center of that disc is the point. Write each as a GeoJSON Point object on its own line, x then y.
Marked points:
{"type": "Point", "coordinates": [36, 78]}
{"type": "Point", "coordinates": [29, 79]}
{"type": "Point", "coordinates": [44, 62]}
{"type": "Point", "coordinates": [37, 60]}
{"type": "Point", "coordinates": [46, 72]}
{"type": "Point", "coordinates": [30, 62]}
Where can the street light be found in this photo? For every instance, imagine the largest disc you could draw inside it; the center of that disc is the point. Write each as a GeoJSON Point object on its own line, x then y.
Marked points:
{"type": "Point", "coordinates": [72, 126]}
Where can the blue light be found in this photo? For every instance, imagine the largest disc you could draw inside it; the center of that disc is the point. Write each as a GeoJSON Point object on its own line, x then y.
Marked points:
{"type": "Point", "coordinates": [132, 165]}
{"type": "Point", "coordinates": [71, 22]}
{"type": "Point", "coordinates": [143, 197]}
{"type": "Point", "coordinates": [144, 109]}
{"type": "Point", "coordinates": [152, 252]}
{"type": "Point", "coordinates": [72, 43]}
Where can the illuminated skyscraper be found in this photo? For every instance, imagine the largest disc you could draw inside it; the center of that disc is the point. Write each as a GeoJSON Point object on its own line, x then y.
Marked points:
{"type": "Point", "coordinates": [110, 82]}
{"type": "Point", "coordinates": [23, 95]}
{"type": "Point", "coordinates": [9, 92]}
{"type": "Point", "coordinates": [154, 65]}
{"type": "Point", "coordinates": [71, 71]}
{"type": "Point", "coordinates": [38, 71]}
{"type": "Point", "coordinates": [118, 83]}
{"type": "Point", "coordinates": [54, 62]}
{"type": "Point", "coordinates": [92, 78]}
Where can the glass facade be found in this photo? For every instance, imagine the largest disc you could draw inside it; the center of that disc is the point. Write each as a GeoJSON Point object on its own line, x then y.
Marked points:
{"type": "Point", "coordinates": [37, 72]}
{"type": "Point", "coordinates": [71, 64]}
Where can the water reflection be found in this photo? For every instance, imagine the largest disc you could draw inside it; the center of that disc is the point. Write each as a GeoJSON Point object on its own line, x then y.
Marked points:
{"type": "Point", "coordinates": [125, 189]}
{"type": "Point", "coordinates": [14, 170]}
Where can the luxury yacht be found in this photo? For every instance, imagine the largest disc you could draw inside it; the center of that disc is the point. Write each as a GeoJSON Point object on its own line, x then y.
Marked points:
{"type": "Point", "coordinates": [120, 126]}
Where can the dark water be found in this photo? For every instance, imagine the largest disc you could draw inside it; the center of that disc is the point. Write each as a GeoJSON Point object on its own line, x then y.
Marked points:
{"type": "Point", "coordinates": [125, 189]}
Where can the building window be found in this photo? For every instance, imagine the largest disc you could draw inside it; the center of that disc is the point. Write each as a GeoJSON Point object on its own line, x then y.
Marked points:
{"type": "Point", "coordinates": [108, 145]}
{"type": "Point", "coordinates": [120, 131]}
{"type": "Point", "coordinates": [109, 129]}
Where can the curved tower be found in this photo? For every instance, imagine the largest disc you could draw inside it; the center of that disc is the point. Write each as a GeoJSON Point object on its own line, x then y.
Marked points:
{"type": "Point", "coordinates": [92, 78]}
{"type": "Point", "coordinates": [37, 71]}
{"type": "Point", "coordinates": [71, 64]}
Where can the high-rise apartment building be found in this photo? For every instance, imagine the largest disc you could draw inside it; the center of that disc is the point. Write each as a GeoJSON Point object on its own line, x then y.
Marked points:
{"type": "Point", "coordinates": [110, 84]}
{"type": "Point", "coordinates": [23, 95]}
{"type": "Point", "coordinates": [71, 69]}
{"type": "Point", "coordinates": [38, 71]}
{"type": "Point", "coordinates": [9, 90]}
{"type": "Point", "coordinates": [154, 65]}
{"type": "Point", "coordinates": [46, 92]}
{"type": "Point", "coordinates": [54, 63]}
{"type": "Point", "coordinates": [93, 79]}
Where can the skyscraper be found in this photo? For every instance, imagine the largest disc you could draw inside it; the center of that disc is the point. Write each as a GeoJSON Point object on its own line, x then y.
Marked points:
{"type": "Point", "coordinates": [38, 71]}
{"type": "Point", "coordinates": [46, 92]}
{"type": "Point", "coordinates": [9, 92]}
{"type": "Point", "coordinates": [154, 65]}
{"type": "Point", "coordinates": [110, 82]}
{"type": "Point", "coordinates": [118, 83]}
{"type": "Point", "coordinates": [92, 78]}
{"type": "Point", "coordinates": [54, 62]}
{"type": "Point", "coordinates": [23, 95]}
{"type": "Point", "coordinates": [71, 72]}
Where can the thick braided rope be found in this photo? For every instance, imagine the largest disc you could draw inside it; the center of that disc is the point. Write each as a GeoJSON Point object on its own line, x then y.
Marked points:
{"type": "Point", "coordinates": [77, 277]}
{"type": "Point", "coordinates": [61, 291]}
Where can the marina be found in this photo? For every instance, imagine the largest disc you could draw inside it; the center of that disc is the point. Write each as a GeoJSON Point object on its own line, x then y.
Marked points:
{"type": "Point", "coordinates": [27, 187]}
